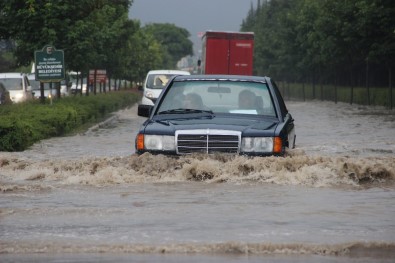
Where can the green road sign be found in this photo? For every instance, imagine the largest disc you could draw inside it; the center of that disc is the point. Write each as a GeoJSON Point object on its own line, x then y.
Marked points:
{"type": "Point", "coordinates": [49, 64]}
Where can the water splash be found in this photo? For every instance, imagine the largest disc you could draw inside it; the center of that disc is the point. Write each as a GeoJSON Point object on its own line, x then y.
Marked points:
{"type": "Point", "coordinates": [295, 169]}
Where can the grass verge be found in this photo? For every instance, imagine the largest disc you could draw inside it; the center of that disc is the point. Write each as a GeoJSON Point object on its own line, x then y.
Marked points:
{"type": "Point", "coordinates": [23, 124]}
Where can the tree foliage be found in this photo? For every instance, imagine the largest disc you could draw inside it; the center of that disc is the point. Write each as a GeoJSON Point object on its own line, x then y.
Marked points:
{"type": "Point", "coordinates": [173, 40]}
{"type": "Point", "coordinates": [327, 40]}
{"type": "Point", "coordinates": [92, 34]}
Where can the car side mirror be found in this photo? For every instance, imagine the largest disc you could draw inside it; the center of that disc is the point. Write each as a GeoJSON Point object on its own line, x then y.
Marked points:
{"type": "Point", "coordinates": [144, 110]}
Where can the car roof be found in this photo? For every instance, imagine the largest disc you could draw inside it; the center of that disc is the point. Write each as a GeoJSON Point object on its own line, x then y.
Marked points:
{"type": "Point", "coordinates": [11, 75]}
{"type": "Point", "coordinates": [165, 71]}
{"type": "Point", "coordinates": [223, 77]}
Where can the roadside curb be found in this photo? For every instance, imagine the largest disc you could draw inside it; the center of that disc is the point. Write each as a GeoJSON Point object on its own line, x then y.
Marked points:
{"type": "Point", "coordinates": [101, 124]}
{"type": "Point", "coordinates": [115, 117]}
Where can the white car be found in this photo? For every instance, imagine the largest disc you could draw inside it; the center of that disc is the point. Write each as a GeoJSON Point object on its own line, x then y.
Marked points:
{"type": "Point", "coordinates": [17, 85]}
{"type": "Point", "coordinates": [82, 83]}
{"type": "Point", "coordinates": [154, 83]}
{"type": "Point", "coordinates": [48, 91]}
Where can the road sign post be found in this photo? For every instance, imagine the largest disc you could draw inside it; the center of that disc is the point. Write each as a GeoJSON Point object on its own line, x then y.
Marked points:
{"type": "Point", "coordinates": [49, 64]}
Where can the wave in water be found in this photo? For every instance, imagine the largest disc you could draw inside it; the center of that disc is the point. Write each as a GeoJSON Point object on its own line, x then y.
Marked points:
{"type": "Point", "coordinates": [294, 169]}
{"type": "Point", "coordinates": [352, 249]}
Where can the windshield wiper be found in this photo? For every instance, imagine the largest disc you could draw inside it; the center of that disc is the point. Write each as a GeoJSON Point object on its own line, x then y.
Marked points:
{"type": "Point", "coordinates": [185, 111]}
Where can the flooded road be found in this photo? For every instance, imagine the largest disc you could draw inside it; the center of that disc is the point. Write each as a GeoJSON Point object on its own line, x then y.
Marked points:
{"type": "Point", "coordinates": [89, 198]}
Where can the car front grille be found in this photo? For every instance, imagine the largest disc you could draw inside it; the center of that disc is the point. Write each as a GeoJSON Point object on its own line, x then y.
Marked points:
{"type": "Point", "coordinates": [207, 141]}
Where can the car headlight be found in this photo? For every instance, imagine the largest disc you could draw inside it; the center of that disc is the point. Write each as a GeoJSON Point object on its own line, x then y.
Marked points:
{"type": "Point", "coordinates": [262, 144]}
{"type": "Point", "coordinates": [257, 144]}
{"type": "Point", "coordinates": [150, 94]}
{"type": "Point", "coordinates": [155, 142]}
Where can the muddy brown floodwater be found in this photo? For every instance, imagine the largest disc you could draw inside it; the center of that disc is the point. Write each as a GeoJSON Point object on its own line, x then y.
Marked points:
{"type": "Point", "coordinates": [89, 198]}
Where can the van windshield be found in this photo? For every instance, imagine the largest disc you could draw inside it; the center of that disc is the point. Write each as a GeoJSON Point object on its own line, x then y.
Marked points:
{"type": "Point", "coordinates": [158, 81]}
{"type": "Point", "coordinates": [12, 83]}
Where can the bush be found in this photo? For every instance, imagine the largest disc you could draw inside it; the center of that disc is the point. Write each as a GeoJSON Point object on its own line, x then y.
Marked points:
{"type": "Point", "coordinates": [23, 124]}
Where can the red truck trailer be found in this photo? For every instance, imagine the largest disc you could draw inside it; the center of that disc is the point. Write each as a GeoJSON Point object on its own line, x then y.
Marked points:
{"type": "Point", "coordinates": [227, 53]}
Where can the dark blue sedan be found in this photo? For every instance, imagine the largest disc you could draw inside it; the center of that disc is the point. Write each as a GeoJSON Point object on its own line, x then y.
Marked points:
{"type": "Point", "coordinates": [217, 114]}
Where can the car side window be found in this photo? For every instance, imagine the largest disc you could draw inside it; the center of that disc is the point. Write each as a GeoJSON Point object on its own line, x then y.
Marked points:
{"type": "Point", "coordinates": [280, 99]}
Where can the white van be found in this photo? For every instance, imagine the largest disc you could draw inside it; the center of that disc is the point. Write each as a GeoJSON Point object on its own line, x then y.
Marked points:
{"type": "Point", "coordinates": [17, 85]}
{"type": "Point", "coordinates": [155, 81]}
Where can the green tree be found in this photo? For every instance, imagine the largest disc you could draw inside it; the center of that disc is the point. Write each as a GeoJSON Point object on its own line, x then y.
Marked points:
{"type": "Point", "coordinates": [344, 41]}
{"type": "Point", "coordinates": [274, 38]}
{"type": "Point", "coordinates": [174, 41]}
{"type": "Point", "coordinates": [147, 55]}
{"type": "Point", "coordinates": [83, 29]}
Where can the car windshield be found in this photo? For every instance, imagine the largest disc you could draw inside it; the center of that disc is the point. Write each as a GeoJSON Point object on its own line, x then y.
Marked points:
{"type": "Point", "coordinates": [234, 97]}
{"type": "Point", "coordinates": [12, 83]}
{"type": "Point", "coordinates": [158, 81]}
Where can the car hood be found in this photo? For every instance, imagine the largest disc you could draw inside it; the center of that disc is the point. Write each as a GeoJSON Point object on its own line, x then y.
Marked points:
{"type": "Point", "coordinates": [242, 124]}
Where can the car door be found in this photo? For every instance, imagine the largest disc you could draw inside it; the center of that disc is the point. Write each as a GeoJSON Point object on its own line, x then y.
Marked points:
{"type": "Point", "coordinates": [27, 88]}
{"type": "Point", "coordinates": [288, 126]}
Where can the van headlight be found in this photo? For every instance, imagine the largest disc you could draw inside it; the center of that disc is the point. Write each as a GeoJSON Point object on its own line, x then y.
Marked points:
{"type": "Point", "coordinates": [157, 142]}
{"type": "Point", "coordinates": [150, 95]}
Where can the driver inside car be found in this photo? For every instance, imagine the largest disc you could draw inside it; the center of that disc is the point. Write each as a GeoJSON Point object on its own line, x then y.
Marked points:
{"type": "Point", "coordinates": [193, 101]}
{"type": "Point", "coordinates": [247, 100]}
